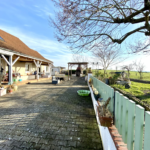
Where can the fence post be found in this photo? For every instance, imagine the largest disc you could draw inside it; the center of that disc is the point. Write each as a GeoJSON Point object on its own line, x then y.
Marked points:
{"type": "Point", "coordinates": [147, 135]}
{"type": "Point", "coordinates": [120, 113]}
{"type": "Point", "coordinates": [125, 119]}
{"type": "Point", "coordinates": [114, 107]}
{"type": "Point", "coordinates": [131, 121]}
{"type": "Point", "coordinates": [139, 121]}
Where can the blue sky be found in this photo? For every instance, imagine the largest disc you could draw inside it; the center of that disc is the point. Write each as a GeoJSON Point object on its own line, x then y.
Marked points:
{"type": "Point", "coordinates": [29, 21]}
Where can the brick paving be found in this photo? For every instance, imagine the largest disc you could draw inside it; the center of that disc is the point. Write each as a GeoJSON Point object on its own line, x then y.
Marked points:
{"type": "Point", "coordinates": [42, 116]}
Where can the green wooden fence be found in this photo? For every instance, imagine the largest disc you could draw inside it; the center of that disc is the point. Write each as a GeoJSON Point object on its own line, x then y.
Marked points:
{"type": "Point", "coordinates": [131, 120]}
{"type": "Point", "coordinates": [105, 91]}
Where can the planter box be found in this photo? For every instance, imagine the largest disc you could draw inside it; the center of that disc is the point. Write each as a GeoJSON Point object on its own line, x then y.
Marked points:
{"type": "Point", "coordinates": [2, 92]}
{"type": "Point", "coordinates": [105, 121]}
{"type": "Point", "coordinates": [107, 141]}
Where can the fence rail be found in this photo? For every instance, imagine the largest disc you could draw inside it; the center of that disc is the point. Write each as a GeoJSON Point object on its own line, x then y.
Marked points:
{"type": "Point", "coordinates": [131, 120]}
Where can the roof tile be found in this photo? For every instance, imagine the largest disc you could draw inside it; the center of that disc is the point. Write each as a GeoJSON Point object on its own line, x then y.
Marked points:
{"type": "Point", "coordinates": [13, 43]}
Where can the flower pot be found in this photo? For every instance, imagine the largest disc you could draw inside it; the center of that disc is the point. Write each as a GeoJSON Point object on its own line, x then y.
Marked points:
{"type": "Point", "coordinates": [10, 90]}
{"type": "Point", "coordinates": [97, 96]}
{"type": "Point", "coordinates": [15, 87]}
{"type": "Point", "coordinates": [110, 81]}
{"type": "Point", "coordinates": [15, 80]}
{"type": "Point", "coordinates": [106, 80]}
{"type": "Point", "coordinates": [105, 121]}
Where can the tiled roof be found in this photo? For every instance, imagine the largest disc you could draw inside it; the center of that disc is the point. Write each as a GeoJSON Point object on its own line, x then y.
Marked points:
{"type": "Point", "coordinates": [15, 44]}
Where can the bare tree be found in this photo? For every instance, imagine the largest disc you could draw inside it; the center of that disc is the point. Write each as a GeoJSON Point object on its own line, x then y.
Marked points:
{"type": "Point", "coordinates": [128, 68]}
{"type": "Point", "coordinates": [108, 56]}
{"type": "Point", "coordinates": [79, 58]}
{"type": "Point", "coordinates": [139, 68]}
{"type": "Point", "coordinates": [82, 23]}
{"type": "Point", "coordinates": [137, 46]}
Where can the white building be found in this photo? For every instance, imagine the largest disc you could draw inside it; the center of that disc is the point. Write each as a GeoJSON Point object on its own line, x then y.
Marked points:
{"type": "Point", "coordinates": [57, 69]}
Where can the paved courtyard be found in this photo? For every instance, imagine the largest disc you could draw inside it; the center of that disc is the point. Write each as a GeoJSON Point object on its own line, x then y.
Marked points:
{"type": "Point", "coordinates": [43, 116]}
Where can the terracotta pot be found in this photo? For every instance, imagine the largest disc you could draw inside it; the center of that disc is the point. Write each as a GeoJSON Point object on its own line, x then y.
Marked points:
{"type": "Point", "coordinates": [10, 90]}
{"type": "Point", "coordinates": [105, 121]}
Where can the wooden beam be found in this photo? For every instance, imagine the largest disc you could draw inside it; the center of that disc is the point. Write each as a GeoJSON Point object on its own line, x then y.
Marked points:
{"type": "Point", "coordinates": [6, 60]}
{"type": "Point", "coordinates": [35, 63]}
{"type": "Point", "coordinates": [26, 61]}
{"type": "Point", "coordinates": [40, 63]}
{"type": "Point", "coordinates": [15, 60]}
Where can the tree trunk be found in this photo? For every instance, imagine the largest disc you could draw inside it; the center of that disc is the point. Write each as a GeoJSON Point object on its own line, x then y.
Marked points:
{"type": "Point", "coordinates": [140, 75]}
{"type": "Point", "coordinates": [104, 73]}
{"type": "Point", "coordinates": [128, 73]}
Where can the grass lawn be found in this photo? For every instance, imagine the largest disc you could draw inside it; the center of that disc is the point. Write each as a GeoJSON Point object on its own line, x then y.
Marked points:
{"type": "Point", "coordinates": [133, 74]}
{"type": "Point", "coordinates": [140, 90]}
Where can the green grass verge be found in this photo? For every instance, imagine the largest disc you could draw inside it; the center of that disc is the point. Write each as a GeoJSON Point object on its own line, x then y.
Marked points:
{"type": "Point", "coordinates": [139, 90]}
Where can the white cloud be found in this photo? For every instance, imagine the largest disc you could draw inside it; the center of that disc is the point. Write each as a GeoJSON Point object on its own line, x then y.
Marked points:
{"type": "Point", "coordinates": [59, 53]}
{"type": "Point", "coordinates": [50, 49]}
{"type": "Point", "coordinates": [27, 25]}
{"type": "Point", "coordinates": [144, 59]}
{"type": "Point", "coordinates": [42, 12]}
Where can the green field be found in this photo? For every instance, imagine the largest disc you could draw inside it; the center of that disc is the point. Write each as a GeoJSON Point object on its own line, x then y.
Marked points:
{"type": "Point", "coordinates": [133, 74]}
{"type": "Point", "coordinates": [139, 90]}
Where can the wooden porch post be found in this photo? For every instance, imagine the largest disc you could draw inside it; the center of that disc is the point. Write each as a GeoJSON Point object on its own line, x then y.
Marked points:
{"type": "Point", "coordinates": [10, 69]}
{"type": "Point", "coordinates": [37, 73]}
{"type": "Point", "coordinates": [68, 71]}
{"type": "Point", "coordinates": [50, 68]}
{"type": "Point", "coordinates": [37, 67]}
{"type": "Point", "coordinates": [71, 71]}
{"type": "Point", "coordinates": [86, 68]}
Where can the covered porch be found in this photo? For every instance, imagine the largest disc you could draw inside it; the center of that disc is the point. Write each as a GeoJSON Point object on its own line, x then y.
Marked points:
{"type": "Point", "coordinates": [79, 70]}
{"type": "Point", "coordinates": [20, 67]}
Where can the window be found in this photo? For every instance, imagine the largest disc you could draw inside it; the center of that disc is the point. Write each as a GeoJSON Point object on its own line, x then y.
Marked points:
{"type": "Point", "coordinates": [27, 68]}
{"type": "Point", "coordinates": [1, 38]}
{"type": "Point", "coordinates": [46, 68]}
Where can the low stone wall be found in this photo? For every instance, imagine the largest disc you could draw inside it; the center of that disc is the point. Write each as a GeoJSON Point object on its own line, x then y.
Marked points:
{"type": "Point", "coordinates": [140, 81]}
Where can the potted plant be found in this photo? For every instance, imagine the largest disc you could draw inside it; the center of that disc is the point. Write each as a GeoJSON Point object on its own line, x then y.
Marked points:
{"type": "Point", "coordinates": [10, 88]}
{"type": "Point", "coordinates": [15, 87]}
{"type": "Point", "coordinates": [110, 80]}
{"type": "Point", "coordinates": [104, 114]}
{"type": "Point", "coordinates": [90, 82]}
{"type": "Point", "coordinates": [96, 94]}
{"type": "Point", "coordinates": [89, 70]}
